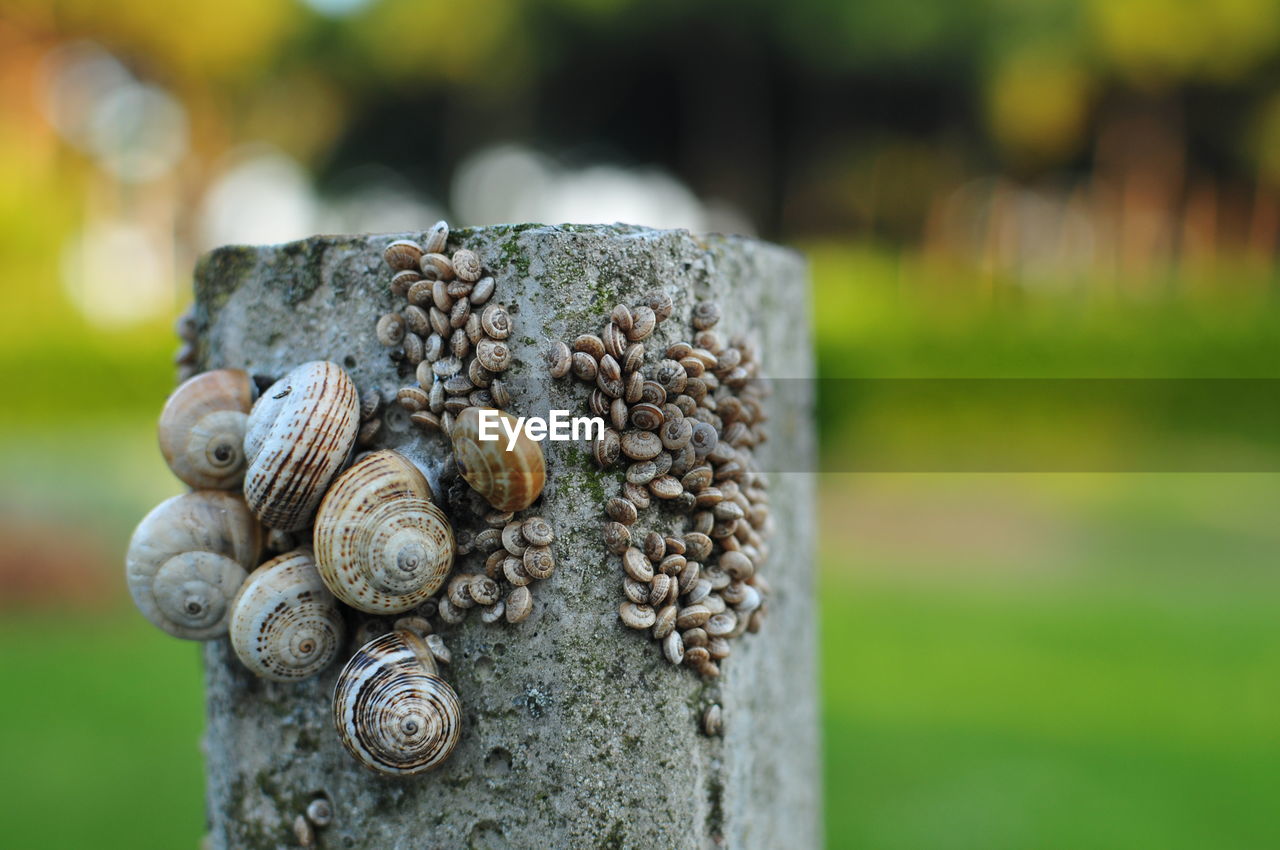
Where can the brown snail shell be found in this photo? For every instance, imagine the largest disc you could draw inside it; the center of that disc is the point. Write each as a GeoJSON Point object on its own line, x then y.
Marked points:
{"type": "Point", "coordinates": [299, 435]}
{"type": "Point", "coordinates": [285, 624]}
{"type": "Point", "coordinates": [496, 321]}
{"type": "Point", "coordinates": [437, 236]}
{"type": "Point", "coordinates": [381, 545]}
{"type": "Point", "coordinates": [402, 283]}
{"type": "Point", "coordinates": [706, 314]}
{"type": "Point", "coordinates": [391, 329]}
{"type": "Point", "coordinates": [187, 559]}
{"type": "Point", "coordinates": [202, 429]}
{"type": "Point", "coordinates": [467, 265]}
{"type": "Point", "coordinates": [493, 354]}
{"type": "Point", "coordinates": [393, 712]}
{"type": "Point", "coordinates": [482, 291]}
{"type": "Point", "coordinates": [402, 254]}
{"type": "Point", "coordinates": [508, 480]}
{"type": "Point", "coordinates": [643, 321]}
{"type": "Point", "coordinates": [661, 305]}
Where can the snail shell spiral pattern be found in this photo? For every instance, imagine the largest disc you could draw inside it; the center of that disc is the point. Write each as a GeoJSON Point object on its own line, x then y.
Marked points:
{"type": "Point", "coordinates": [392, 710]}
{"type": "Point", "coordinates": [202, 429]}
{"type": "Point", "coordinates": [381, 544]}
{"type": "Point", "coordinates": [299, 435]}
{"type": "Point", "coordinates": [187, 559]}
{"type": "Point", "coordinates": [285, 625]}
{"type": "Point", "coordinates": [508, 480]}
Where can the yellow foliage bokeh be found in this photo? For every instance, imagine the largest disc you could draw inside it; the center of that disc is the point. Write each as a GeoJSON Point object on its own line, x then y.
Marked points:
{"type": "Point", "coordinates": [1038, 106]}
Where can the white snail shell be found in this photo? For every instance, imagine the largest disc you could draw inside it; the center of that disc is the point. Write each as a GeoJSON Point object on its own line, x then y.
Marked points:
{"type": "Point", "coordinates": [187, 559]}
{"type": "Point", "coordinates": [202, 429]}
{"type": "Point", "coordinates": [393, 711]}
{"type": "Point", "coordinates": [285, 625]}
{"type": "Point", "coordinates": [381, 545]}
{"type": "Point", "coordinates": [508, 480]}
{"type": "Point", "coordinates": [299, 435]}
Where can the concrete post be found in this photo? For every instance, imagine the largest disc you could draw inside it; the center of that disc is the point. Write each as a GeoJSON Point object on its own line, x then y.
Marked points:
{"type": "Point", "coordinates": [578, 733]}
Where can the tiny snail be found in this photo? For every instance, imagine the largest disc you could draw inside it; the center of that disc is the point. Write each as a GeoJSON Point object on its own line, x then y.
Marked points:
{"type": "Point", "coordinates": [466, 264]}
{"type": "Point", "coordinates": [508, 480]}
{"type": "Point", "coordinates": [381, 545]}
{"type": "Point", "coordinates": [713, 720]}
{"type": "Point", "coordinates": [320, 812]}
{"type": "Point", "coordinates": [304, 832]}
{"type": "Point", "coordinates": [202, 429]}
{"type": "Point", "coordinates": [437, 236]}
{"type": "Point", "coordinates": [187, 559]}
{"type": "Point", "coordinates": [285, 625]}
{"type": "Point", "coordinates": [393, 712]}
{"type": "Point", "coordinates": [299, 435]}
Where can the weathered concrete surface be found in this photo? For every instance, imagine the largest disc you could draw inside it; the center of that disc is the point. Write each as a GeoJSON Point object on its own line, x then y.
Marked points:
{"type": "Point", "coordinates": [577, 733]}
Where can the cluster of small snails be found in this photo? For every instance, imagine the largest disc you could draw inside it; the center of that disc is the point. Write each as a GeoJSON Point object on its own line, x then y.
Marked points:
{"type": "Point", "coordinates": [277, 465]}
{"type": "Point", "coordinates": [452, 335]}
{"type": "Point", "coordinates": [686, 430]}
{"type": "Point", "coordinates": [518, 552]}
{"type": "Point", "coordinates": [509, 481]}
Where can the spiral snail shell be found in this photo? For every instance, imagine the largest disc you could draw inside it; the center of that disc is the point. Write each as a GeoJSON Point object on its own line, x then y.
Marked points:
{"type": "Point", "coordinates": [393, 711]}
{"type": "Point", "coordinates": [381, 544]}
{"type": "Point", "coordinates": [202, 429]}
{"type": "Point", "coordinates": [509, 480]}
{"type": "Point", "coordinates": [187, 559]}
{"type": "Point", "coordinates": [285, 625]}
{"type": "Point", "coordinates": [299, 435]}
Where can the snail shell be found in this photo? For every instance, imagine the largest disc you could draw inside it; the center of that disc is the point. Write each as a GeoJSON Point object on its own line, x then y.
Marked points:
{"type": "Point", "coordinates": [202, 429]}
{"type": "Point", "coordinates": [187, 559]}
{"type": "Point", "coordinates": [393, 711]}
{"type": "Point", "coordinates": [508, 480]}
{"type": "Point", "coordinates": [402, 254]}
{"type": "Point", "coordinates": [381, 545]}
{"type": "Point", "coordinates": [285, 625]}
{"type": "Point", "coordinates": [300, 433]}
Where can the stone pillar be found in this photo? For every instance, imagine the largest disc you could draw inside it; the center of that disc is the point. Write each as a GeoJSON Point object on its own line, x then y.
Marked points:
{"type": "Point", "coordinates": [578, 733]}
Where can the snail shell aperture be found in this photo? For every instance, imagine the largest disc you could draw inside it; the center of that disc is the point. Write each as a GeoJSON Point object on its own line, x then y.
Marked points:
{"type": "Point", "coordinates": [381, 544]}
{"type": "Point", "coordinates": [509, 480]}
{"type": "Point", "coordinates": [393, 711]}
{"type": "Point", "coordinates": [202, 429]}
{"type": "Point", "coordinates": [187, 559]}
{"type": "Point", "coordinates": [285, 625]}
{"type": "Point", "coordinates": [299, 435]}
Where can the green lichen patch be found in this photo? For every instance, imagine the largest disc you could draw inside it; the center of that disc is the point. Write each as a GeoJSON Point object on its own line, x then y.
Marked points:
{"type": "Point", "coordinates": [615, 839]}
{"type": "Point", "coordinates": [220, 273]}
{"type": "Point", "coordinates": [715, 806]}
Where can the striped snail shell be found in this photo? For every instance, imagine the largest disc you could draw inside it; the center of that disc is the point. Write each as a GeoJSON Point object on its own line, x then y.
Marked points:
{"type": "Point", "coordinates": [393, 711]}
{"type": "Point", "coordinates": [285, 625]}
{"type": "Point", "coordinates": [187, 559]}
{"type": "Point", "coordinates": [381, 544]}
{"type": "Point", "coordinates": [202, 429]}
{"type": "Point", "coordinates": [299, 435]}
{"type": "Point", "coordinates": [509, 480]}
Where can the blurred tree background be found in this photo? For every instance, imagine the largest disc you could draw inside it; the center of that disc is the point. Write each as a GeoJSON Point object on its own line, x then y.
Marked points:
{"type": "Point", "coordinates": [1055, 188]}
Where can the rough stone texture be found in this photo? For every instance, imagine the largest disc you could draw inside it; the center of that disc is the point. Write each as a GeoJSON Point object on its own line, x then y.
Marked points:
{"type": "Point", "coordinates": [578, 733]}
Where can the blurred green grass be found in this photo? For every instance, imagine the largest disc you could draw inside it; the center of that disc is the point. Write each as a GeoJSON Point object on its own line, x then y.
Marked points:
{"type": "Point", "coordinates": [100, 729]}
{"type": "Point", "coordinates": [887, 313]}
{"type": "Point", "coordinates": [1114, 691]}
